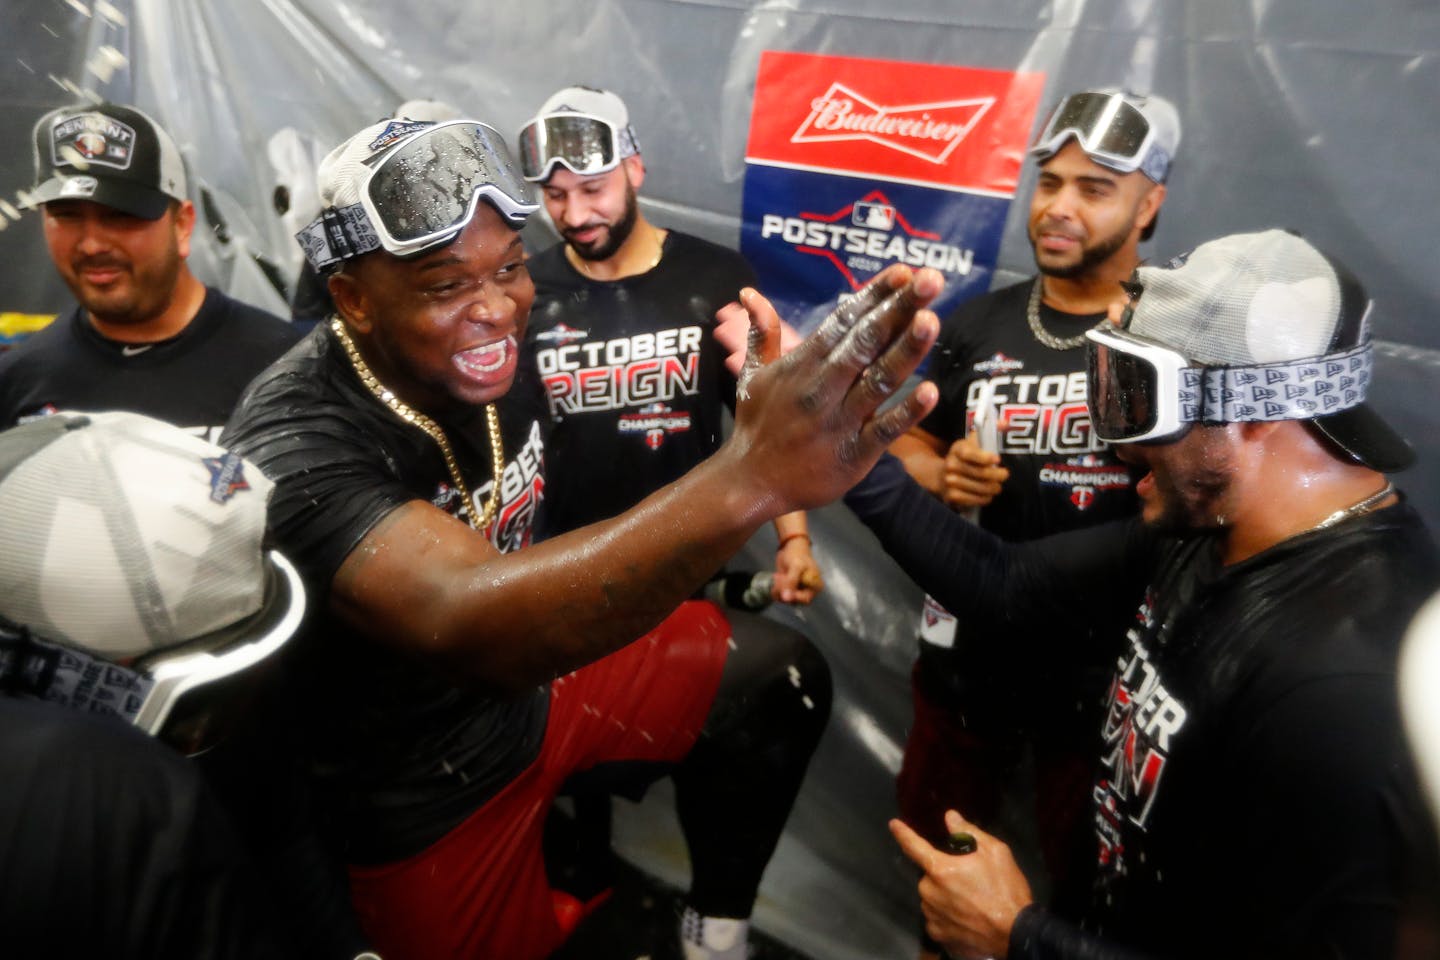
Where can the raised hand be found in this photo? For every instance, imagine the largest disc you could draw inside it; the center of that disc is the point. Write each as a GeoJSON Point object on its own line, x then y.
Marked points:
{"type": "Point", "coordinates": [808, 425]}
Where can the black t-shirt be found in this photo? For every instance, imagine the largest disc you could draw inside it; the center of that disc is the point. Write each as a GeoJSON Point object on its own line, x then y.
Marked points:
{"type": "Point", "coordinates": [1061, 476]}
{"type": "Point", "coordinates": [114, 847]}
{"type": "Point", "coordinates": [1253, 764]}
{"type": "Point", "coordinates": [401, 753]}
{"type": "Point", "coordinates": [634, 378]}
{"type": "Point", "coordinates": [1254, 795]}
{"type": "Point", "coordinates": [191, 380]}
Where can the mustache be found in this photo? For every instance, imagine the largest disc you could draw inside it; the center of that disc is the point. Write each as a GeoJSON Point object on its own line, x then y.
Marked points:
{"type": "Point", "coordinates": [572, 231]}
{"type": "Point", "coordinates": [1052, 226]}
{"type": "Point", "coordinates": [99, 263]}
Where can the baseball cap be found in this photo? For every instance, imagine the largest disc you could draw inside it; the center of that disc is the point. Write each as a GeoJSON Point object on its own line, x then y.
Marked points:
{"type": "Point", "coordinates": [133, 571]}
{"type": "Point", "coordinates": [1273, 301]}
{"type": "Point", "coordinates": [595, 102]}
{"type": "Point", "coordinates": [432, 110]}
{"type": "Point", "coordinates": [1117, 129]}
{"type": "Point", "coordinates": [109, 154]}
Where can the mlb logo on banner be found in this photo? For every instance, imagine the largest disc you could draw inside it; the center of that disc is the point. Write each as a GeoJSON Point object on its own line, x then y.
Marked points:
{"type": "Point", "coordinates": [855, 164]}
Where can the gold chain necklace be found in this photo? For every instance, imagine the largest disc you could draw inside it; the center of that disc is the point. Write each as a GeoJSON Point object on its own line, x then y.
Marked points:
{"type": "Point", "coordinates": [584, 265]}
{"type": "Point", "coordinates": [1032, 315]}
{"type": "Point", "coordinates": [1356, 509]}
{"type": "Point", "coordinates": [432, 429]}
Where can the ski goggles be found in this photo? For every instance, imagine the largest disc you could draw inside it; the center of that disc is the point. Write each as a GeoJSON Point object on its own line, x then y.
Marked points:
{"type": "Point", "coordinates": [184, 696]}
{"type": "Point", "coordinates": [1111, 130]}
{"type": "Point", "coordinates": [421, 194]}
{"type": "Point", "coordinates": [584, 144]}
{"type": "Point", "coordinates": [1141, 391]}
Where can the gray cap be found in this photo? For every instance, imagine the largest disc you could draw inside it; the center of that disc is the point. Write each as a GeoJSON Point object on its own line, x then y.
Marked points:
{"type": "Point", "coordinates": [596, 103]}
{"type": "Point", "coordinates": [1272, 300]}
{"type": "Point", "coordinates": [122, 535]}
{"type": "Point", "coordinates": [1086, 116]}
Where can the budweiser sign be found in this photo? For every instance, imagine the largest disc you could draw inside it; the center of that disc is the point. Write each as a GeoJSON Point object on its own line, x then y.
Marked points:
{"type": "Point", "coordinates": [929, 131]}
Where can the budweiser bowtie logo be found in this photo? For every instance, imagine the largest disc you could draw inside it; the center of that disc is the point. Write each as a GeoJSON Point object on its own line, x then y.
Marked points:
{"type": "Point", "coordinates": [929, 131]}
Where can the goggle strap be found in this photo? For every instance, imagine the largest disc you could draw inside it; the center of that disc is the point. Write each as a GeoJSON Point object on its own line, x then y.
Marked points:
{"type": "Point", "coordinates": [337, 235]}
{"type": "Point", "coordinates": [34, 669]}
{"type": "Point", "coordinates": [628, 142]}
{"type": "Point", "coordinates": [1301, 390]}
{"type": "Point", "coordinates": [1156, 164]}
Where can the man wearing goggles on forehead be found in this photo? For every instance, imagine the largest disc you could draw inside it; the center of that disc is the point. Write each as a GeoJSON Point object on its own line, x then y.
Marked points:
{"type": "Point", "coordinates": [1011, 443]}
{"type": "Point", "coordinates": [615, 286]}
{"type": "Point", "coordinates": [1253, 795]}
{"type": "Point", "coordinates": [457, 674]}
{"type": "Point", "coordinates": [620, 338]}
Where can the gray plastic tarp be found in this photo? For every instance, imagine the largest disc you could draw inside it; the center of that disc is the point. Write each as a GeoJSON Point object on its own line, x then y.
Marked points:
{"type": "Point", "coordinates": [1318, 115]}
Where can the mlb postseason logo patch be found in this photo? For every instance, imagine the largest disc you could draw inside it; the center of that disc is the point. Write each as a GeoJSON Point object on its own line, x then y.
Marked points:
{"type": "Point", "coordinates": [853, 165]}
{"type": "Point", "coordinates": [92, 138]}
{"type": "Point", "coordinates": [227, 476]}
{"type": "Point", "coordinates": [398, 130]}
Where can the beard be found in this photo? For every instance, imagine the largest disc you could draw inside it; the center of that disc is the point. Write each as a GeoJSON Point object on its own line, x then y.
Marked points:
{"type": "Point", "coordinates": [615, 233]}
{"type": "Point", "coordinates": [1091, 256]}
{"type": "Point", "coordinates": [1191, 492]}
{"type": "Point", "coordinates": [1190, 507]}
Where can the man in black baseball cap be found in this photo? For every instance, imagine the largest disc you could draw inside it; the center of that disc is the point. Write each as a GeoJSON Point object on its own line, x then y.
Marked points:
{"type": "Point", "coordinates": [110, 154]}
{"type": "Point", "coordinates": [148, 336]}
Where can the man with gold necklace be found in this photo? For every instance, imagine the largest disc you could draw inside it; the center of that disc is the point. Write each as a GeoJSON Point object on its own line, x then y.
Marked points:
{"type": "Point", "coordinates": [454, 681]}
{"type": "Point", "coordinates": [1253, 794]}
{"type": "Point", "coordinates": [1017, 354]}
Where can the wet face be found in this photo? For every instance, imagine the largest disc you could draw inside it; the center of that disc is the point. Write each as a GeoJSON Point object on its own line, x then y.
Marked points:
{"type": "Point", "coordinates": [123, 269]}
{"type": "Point", "coordinates": [1083, 214]}
{"type": "Point", "coordinates": [442, 330]}
{"type": "Point", "coordinates": [594, 214]}
{"type": "Point", "coordinates": [1189, 484]}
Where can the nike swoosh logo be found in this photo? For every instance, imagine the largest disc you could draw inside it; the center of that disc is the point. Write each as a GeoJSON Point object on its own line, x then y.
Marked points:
{"type": "Point", "coordinates": [131, 350]}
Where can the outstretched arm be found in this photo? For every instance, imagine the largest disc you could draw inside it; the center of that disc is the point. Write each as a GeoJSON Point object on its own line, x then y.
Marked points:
{"type": "Point", "coordinates": [422, 580]}
{"type": "Point", "coordinates": [797, 576]}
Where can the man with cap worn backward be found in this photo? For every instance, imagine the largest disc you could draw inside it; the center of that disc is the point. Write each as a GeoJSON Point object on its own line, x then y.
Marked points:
{"type": "Point", "coordinates": [136, 603]}
{"type": "Point", "coordinates": [1253, 795]}
{"type": "Point", "coordinates": [458, 673]}
{"type": "Point", "coordinates": [147, 335]}
{"type": "Point", "coordinates": [1010, 444]}
{"type": "Point", "coordinates": [624, 304]}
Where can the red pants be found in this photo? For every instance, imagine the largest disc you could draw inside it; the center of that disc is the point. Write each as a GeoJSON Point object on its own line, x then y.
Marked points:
{"type": "Point", "coordinates": [480, 892]}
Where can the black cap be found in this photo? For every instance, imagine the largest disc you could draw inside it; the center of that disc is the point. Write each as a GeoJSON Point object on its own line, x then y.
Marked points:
{"type": "Point", "coordinates": [110, 154]}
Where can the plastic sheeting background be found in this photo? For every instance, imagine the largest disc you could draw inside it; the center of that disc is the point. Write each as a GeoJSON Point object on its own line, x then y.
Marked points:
{"type": "Point", "coordinates": [1314, 114]}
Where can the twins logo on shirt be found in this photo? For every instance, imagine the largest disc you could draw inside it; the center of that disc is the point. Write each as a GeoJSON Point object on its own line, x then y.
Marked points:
{"type": "Point", "coordinates": [656, 421]}
{"type": "Point", "coordinates": [1085, 475]}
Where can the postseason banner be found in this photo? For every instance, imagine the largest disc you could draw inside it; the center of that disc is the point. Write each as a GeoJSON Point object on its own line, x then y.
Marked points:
{"type": "Point", "coordinates": [853, 165]}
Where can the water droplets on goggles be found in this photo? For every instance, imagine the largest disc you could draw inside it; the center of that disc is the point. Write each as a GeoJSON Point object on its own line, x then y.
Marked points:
{"type": "Point", "coordinates": [583, 143]}
{"type": "Point", "coordinates": [1141, 391]}
{"type": "Point", "coordinates": [422, 193]}
{"type": "Point", "coordinates": [1111, 131]}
